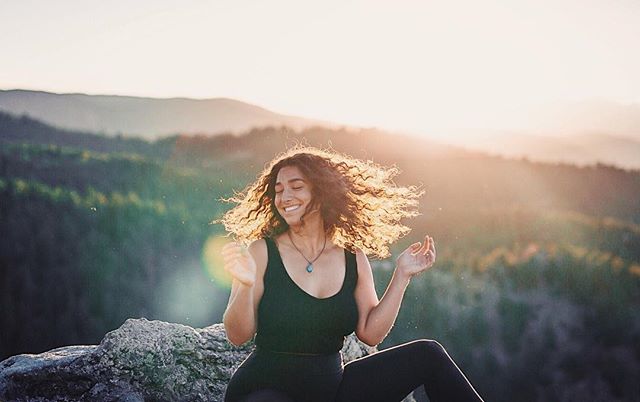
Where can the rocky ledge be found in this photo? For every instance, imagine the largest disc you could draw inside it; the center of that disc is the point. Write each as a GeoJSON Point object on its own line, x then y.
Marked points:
{"type": "Point", "coordinates": [140, 361]}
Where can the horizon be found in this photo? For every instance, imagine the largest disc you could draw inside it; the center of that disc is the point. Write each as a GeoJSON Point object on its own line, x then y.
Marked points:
{"type": "Point", "coordinates": [416, 68]}
{"type": "Point", "coordinates": [451, 135]}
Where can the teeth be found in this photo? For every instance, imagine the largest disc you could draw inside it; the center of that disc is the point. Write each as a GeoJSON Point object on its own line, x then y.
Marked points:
{"type": "Point", "coordinates": [292, 208]}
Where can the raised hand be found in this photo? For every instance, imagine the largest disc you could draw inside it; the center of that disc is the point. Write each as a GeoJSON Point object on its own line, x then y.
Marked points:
{"type": "Point", "coordinates": [416, 258]}
{"type": "Point", "coordinates": [239, 263]}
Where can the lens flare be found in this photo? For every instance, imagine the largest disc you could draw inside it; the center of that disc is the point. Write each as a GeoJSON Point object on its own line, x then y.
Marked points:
{"type": "Point", "coordinates": [213, 262]}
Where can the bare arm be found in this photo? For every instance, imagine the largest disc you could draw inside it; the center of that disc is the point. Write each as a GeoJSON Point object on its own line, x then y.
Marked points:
{"type": "Point", "coordinates": [247, 270]}
{"type": "Point", "coordinates": [376, 317]}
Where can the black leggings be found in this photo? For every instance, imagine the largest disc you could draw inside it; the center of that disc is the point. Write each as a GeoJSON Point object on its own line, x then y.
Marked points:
{"type": "Point", "coordinates": [386, 376]}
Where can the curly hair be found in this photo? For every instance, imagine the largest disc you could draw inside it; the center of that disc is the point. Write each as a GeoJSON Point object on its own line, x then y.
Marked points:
{"type": "Point", "coordinates": [360, 205]}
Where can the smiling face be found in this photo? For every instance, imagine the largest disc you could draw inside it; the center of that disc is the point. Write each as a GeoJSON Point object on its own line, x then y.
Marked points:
{"type": "Point", "coordinates": [293, 194]}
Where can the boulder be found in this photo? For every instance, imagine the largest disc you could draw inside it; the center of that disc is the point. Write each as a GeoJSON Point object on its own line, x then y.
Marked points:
{"type": "Point", "coordinates": [140, 361]}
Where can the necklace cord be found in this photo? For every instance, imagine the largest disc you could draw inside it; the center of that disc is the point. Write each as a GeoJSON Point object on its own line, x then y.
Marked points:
{"type": "Point", "coordinates": [298, 250]}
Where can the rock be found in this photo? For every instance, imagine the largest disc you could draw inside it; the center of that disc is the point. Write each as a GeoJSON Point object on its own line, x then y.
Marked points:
{"type": "Point", "coordinates": [140, 361]}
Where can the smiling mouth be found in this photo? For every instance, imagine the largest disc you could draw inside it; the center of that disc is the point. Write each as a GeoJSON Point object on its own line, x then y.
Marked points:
{"type": "Point", "coordinates": [291, 208]}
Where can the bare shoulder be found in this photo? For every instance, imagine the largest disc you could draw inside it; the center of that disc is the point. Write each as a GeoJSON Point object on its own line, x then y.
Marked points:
{"type": "Point", "coordinates": [365, 292]}
{"type": "Point", "coordinates": [258, 250]}
{"type": "Point", "coordinates": [363, 262]}
{"type": "Point", "coordinates": [259, 245]}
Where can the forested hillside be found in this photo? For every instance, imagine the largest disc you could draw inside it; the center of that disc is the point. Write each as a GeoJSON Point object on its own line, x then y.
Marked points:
{"type": "Point", "coordinates": [535, 293]}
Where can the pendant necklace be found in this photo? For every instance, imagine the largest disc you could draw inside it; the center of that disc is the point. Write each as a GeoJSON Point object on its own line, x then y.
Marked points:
{"type": "Point", "coordinates": [309, 263]}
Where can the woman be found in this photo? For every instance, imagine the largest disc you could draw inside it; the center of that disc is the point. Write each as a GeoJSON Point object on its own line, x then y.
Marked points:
{"type": "Point", "coordinates": [305, 282]}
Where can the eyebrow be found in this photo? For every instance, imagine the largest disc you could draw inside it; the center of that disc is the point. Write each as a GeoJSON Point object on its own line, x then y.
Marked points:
{"type": "Point", "coordinates": [292, 180]}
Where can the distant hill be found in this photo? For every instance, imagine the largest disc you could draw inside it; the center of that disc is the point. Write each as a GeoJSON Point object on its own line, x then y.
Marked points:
{"type": "Point", "coordinates": [582, 133]}
{"type": "Point", "coordinates": [263, 141]}
{"type": "Point", "coordinates": [582, 149]}
{"type": "Point", "coordinates": [23, 129]}
{"type": "Point", "coordinates": [149, 118]}
{"type": "Point", "coordinates": [587, 116]}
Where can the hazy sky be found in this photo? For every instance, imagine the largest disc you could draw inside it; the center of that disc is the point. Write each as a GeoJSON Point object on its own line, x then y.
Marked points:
{"type": "Point", "coordinates": [396, 64]}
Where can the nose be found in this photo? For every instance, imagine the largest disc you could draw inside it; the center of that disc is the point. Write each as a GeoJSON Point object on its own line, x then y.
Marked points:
{"type": "Point", "coordinates": [286, 195]}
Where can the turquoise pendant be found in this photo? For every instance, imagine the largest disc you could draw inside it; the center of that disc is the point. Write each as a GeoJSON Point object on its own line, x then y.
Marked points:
{"type": "Point", "coordinates": [310, 268]}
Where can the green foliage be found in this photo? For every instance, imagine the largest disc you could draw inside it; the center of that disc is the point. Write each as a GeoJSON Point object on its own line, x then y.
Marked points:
{"type": "Point", "coordinates": [535, 292]}
{"type": "Point", "coordinates": [533, 322]}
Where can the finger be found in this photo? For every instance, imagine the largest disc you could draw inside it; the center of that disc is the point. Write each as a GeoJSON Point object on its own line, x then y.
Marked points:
{"type": "Point", "coordinates": [236, 272]}
{"type": "Point", "coordinates": [227, 258]}
{"type": "Point", "coordinates": [414, 248]}
{"type": "Point", "coordinates": [230, 268]}
{"type": "Point", "coordinates": [431, 261]}
{"type": "Point", "coordinates": [231, 251]}
{"type": "Point", "coordinates": [245, 251]}
{"type": "Point", "coordinates": [232, 262]}
{"type": "Point", "coordinates": [229, 245]}
{"type": "Point", "coordinates": [231, 257]}
{"type": "Point", "coordinates": [242, 277]}
{"type": "Point", "coordinates": [425, 246]}
{"type": "Point", "coordinates": [433, 245]}
{"type": "Point", "coordinates": [233, 244]}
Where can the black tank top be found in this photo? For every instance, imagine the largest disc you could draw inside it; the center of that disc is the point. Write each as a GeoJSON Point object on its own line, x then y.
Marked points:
{"type": "Point", "coordinates": [292, 321]}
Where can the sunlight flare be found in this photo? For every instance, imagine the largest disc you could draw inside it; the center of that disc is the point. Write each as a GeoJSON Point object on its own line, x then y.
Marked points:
{"type": "Point", "coordinates": [212, 261]}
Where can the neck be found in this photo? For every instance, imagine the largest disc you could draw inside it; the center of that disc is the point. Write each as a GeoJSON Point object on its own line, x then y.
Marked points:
{"type": "Point", "coordinates": [309, 237]}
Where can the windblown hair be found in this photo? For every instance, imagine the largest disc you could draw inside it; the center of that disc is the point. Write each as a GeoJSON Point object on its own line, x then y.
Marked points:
{"type": "Point", "coordinates": [360, 205]}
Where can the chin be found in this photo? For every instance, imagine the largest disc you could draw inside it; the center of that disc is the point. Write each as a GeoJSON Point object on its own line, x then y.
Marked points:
{"type": "Point", "coordinates": [293, 221]}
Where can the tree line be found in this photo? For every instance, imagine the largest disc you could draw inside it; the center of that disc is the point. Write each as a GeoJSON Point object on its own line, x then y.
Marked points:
{"type": "Point", "coordinates": [535, 291]}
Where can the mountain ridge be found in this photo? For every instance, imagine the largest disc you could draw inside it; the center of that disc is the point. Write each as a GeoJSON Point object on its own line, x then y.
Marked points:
{"type": "Point", "coordinates": [155, 118]}
{"type": "Point", "coordinates": [150, 118]}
